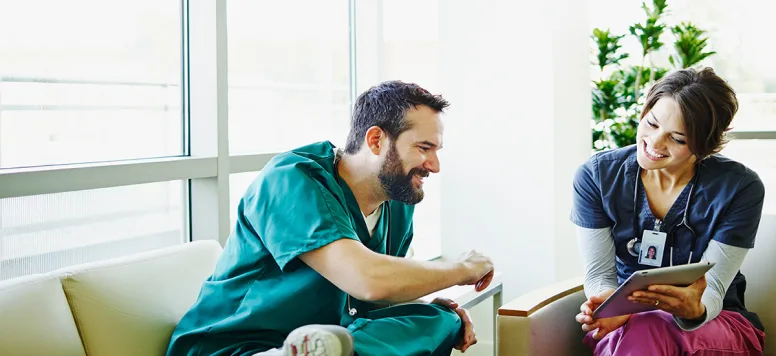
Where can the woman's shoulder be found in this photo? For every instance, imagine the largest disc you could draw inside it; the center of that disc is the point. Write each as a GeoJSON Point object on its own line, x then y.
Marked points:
{"type": "Point", "coordinates": [606, 164]}
{"type": "Point", "coordinates": [722, 167]}
{"type": "Point", "coordinates": [617, 155]}
{"type": "Point", "coordinates": [731, 180]}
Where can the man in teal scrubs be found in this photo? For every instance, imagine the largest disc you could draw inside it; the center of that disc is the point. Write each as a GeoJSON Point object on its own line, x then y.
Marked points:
{"type": "Point", "coordinates": [314, 265]}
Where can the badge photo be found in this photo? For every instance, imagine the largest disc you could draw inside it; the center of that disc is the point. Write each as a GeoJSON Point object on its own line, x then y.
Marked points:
{"type": "Point", "coordinates": [652, 248]}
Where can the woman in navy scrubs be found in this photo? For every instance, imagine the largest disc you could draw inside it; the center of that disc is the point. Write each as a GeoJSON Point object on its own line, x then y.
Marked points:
{"type": "Point", "coordinates": [674, 192]}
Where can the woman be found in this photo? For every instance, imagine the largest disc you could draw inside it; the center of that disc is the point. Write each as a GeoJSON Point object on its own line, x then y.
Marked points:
{"type": "Point", "coordinates": [652, 252]}
{"type": "Point", "coordinates": [703, 206]}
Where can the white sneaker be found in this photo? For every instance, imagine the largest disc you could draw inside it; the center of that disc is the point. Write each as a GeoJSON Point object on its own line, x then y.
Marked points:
{"type": "Point", "coordinates": [319, 340]}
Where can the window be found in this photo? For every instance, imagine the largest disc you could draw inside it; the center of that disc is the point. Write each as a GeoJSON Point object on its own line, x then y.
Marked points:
{"type": "Point", "coordinates": [114, 114]}
{"type": "Point", "coordinates": [41, 233]}
{"type": "Point", "coordinates": [741, 36]}
{"type": "Point", "coordinates": [738, 32]}
{"type": "Point", "coordinates": [80, 87]}
{"type": "Point", "coordinates": [238, 184]}
{"type": "Point", "coordinates": [288, 74]}
{"type": "Point", "coordinates": [757, 155]}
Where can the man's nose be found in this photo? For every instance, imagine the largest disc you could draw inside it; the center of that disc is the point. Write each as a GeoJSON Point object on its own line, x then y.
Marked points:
{"type": "Point", "coordinates": [432, 163]}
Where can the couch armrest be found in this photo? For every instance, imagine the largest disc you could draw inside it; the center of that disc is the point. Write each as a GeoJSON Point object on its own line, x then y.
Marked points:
{"type": "Point", "coordinates": [541, 322]}
{"type": "Point", "coordinates": [527, 304]}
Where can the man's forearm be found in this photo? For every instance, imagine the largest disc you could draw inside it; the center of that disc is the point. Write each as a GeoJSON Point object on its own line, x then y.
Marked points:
{"type": "Point", "coordinates": [399, 280]}
{"type": "Point", "coordinates": [375, 277]}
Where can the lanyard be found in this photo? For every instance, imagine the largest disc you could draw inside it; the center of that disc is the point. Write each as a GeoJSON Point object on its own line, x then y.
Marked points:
{"type": "Point", "coordinates": [634, 246]}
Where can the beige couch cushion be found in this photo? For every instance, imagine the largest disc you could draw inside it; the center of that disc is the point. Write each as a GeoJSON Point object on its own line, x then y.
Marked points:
{"type": "Point", "coordinates": [131, 305]}
{"type": "Point", "coordinates": [35, 318]}
{"type": "Point", "coordinates": [759, 267]}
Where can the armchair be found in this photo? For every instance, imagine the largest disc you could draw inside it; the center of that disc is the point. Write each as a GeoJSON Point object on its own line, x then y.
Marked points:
{"type": "Point", "coordinates": [542, 322]}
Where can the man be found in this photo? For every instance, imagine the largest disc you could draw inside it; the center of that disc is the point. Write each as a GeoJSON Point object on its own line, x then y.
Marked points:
{"type": "Point", "coordinates": [318, 243]}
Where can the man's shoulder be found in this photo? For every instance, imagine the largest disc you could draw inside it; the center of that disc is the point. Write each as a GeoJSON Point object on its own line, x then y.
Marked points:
{"type": "Point", "coordinates": [310, 160]}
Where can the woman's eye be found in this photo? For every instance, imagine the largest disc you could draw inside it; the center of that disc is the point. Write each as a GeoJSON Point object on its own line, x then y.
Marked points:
{"type": "Point", "coordinates": [679, 141]}
{"type": "Point", "coordinates": [424, 149]}
{"type": "Point", "coordinates": [650, 123]}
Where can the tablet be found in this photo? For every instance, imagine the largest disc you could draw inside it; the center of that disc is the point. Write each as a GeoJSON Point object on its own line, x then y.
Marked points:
{"type": "Point", "coordinates": [618, 304]}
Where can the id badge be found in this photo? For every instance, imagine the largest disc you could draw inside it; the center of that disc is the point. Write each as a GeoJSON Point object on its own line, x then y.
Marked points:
{"type": "Point", "coordinates": [652, 247]}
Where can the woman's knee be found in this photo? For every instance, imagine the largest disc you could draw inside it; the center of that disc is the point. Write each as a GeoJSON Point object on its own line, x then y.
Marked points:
{"type": "Point", "coordinates": [654, 322]}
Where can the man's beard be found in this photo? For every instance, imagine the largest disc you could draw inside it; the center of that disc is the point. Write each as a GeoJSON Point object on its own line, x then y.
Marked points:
{"type": "Point", "coordinates": [397, 185]}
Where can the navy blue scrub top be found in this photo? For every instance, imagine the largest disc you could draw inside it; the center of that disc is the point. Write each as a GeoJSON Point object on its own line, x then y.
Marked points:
{"type": "Point", "coordinates": [725, 206]}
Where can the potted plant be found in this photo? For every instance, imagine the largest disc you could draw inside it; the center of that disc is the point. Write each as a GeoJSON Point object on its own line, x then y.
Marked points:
{"type": "Point", "coordinates": [619, 89]}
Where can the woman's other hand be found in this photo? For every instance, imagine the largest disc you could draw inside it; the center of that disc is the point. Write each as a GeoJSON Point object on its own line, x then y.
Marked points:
{"type": "Point", "coordinates": [682, 302]}
{"type": "Point", "coordinates": [602, 326]}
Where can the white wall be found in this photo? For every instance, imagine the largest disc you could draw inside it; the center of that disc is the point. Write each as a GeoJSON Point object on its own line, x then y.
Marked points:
{"type": "Point", "coordinates": [516, 74]}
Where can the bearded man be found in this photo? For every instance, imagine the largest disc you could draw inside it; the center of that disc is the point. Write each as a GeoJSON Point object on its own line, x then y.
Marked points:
{"type": "Point", "coordinates": [315, 264]}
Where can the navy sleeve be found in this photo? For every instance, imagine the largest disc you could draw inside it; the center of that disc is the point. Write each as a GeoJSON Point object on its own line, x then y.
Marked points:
{"type": "Point", "coordinates": [739, 223]}
{"type": "Point", "coordinates": [588, 210]}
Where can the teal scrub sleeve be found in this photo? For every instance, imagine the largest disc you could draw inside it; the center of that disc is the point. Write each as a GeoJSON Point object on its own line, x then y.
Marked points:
{"type": "Point", "coordinates": [588, 208]}
{"type": "Point", "coordinates": [294, 212]}
{"type": "Point", "coordinates": [739, 223]}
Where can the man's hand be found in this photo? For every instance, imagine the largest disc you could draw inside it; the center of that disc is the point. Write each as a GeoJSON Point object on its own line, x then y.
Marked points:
{"type": "Point", "coordinates": [477, 269]}
{"type": "Point", "coordinates": [469, 338]}
{"type": "Point", "coordinates": [682, 302]}
{"type": "Point", "coordinates": [602, 326]}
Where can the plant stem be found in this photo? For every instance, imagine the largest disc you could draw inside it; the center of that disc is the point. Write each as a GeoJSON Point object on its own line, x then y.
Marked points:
{"type": "Point", "coordinates": [651, 67]}
{"type": "Point", "coordinates": [638, 80]}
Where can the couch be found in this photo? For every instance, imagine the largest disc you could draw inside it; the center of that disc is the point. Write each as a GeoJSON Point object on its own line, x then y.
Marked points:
{"type": "Point", "coordinates": [127, 306]}
{"type": "Point", "coordinates": [541, 322]}
{"type": "Point", "coordinates": [123, 306]}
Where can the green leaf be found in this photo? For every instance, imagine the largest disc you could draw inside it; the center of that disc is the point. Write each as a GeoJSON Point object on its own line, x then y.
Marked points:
{"type": "Point", "coordinates": [690, 45]}
{"type": "Point", "coordinates": [649, 33]}
{"type": "Point", "coordinates": [624, 133]}
{"type": "Point", "coordinates": [628, 80]}
{"type": "Point", "coordinates": [608, 46]}
{"type": "Point", "coordinates": [605, 98]}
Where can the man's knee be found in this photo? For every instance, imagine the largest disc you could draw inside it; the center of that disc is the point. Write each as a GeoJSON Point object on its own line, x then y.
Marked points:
{"type": "Point", "coordinates": [449, 320]}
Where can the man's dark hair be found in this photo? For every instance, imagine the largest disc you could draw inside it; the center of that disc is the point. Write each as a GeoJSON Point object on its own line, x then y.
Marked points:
{"type": "Point", "coordinates": [386, 106]}
{"type": "Point", "coordinates": [708, 105]}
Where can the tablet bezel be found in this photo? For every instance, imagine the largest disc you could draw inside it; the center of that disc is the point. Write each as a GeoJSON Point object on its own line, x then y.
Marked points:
{"type": "Point", "coordinates": [618, 304]}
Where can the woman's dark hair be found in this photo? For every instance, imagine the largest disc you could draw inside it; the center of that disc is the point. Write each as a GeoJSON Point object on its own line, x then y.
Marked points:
{"type": "Point", "coordinates": [385, 106]}
{"type": "Point", "coordinates": [707, 102]}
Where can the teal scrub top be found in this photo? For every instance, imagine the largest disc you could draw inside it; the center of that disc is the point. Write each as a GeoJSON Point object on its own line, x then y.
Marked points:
{"type": "Point", "coordinates": [260, 291]}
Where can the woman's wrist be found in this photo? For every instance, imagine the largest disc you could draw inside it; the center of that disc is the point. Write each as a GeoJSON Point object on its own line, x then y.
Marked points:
{"type": "Point", "coordinates": [699, 314]}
